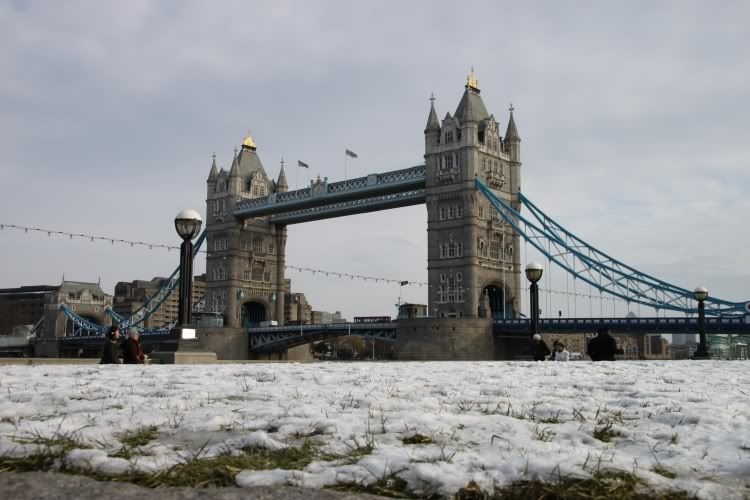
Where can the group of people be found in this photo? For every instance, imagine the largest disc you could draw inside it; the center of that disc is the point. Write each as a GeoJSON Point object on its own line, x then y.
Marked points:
{"type": "Point", "coordinates": [132, 353]}
{"type": "Point", "coordinates": [603, 347]}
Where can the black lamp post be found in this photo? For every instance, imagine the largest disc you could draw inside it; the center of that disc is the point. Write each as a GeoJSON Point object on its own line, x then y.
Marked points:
{"type": "Point", "coordinates": [534, 273]}
{"type": "Point", "coordinates": [188, 224]}
{"type": "Point", "coordinates": [700, 294]}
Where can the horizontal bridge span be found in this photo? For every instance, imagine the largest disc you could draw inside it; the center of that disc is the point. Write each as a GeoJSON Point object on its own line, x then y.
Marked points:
{"type": "Point", "coordinates": [275, 338]}
{"type": "Point", "coordinates": [622, 325]}
{"type": "Point", "coordinates": [351, 207]}
{"type": "Point", "coordinates": [322, 193]}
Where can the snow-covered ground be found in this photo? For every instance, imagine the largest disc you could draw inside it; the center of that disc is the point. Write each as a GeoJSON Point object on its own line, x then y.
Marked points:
{"type": "Point", "coordinates": [491, 422]}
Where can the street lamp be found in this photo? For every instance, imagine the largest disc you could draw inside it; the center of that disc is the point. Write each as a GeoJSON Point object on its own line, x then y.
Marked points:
{"type": "Point", "coordinates": [534, 273]}
{"type": "Point", "coordinates": [700, 294]}
{"type": "Point", "coordinates": [188, 224]}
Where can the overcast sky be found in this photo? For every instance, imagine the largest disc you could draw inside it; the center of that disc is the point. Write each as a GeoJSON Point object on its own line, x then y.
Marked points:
{"type": "Point", "coordinates": [634, 118]}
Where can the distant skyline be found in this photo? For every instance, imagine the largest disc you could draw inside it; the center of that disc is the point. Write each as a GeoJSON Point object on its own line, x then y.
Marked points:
{"type": "Point", "coordinates": [633, 119]}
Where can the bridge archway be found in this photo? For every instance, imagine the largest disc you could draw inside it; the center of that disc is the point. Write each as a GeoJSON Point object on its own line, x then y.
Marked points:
{"type": "Point", "coordinates": [253, 313]}
{"type": "Point", "coordinates": [498, 301]}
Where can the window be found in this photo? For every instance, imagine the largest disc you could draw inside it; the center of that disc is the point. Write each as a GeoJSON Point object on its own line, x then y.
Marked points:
{"type": "Point", "coordinates": [482, 249]}
{"type": "Point", "coordinates": [442, 277]}
{"type": "Point", "coordinates": [442, 213]}
{"type": "Point", "coordinates": [255, 190]}
{"type": "Point", "coordinates": [271, 247]}
{"type": "Point", "coordinates": [449, 161]}
{"type": "Point", "coordinates": [257, 245]}
{"type": "Point", "coordinates": [267, 277]}
{"type": "Point", "coordinates": [257, 273]}
{"type": "Point", "coordinates": [246, 275]}
{"type": "Point", "coordinates": [494, 251]}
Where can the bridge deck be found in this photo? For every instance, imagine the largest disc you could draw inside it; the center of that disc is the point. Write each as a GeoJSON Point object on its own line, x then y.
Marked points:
{"type": "Point", "coordinates": [381, 191]}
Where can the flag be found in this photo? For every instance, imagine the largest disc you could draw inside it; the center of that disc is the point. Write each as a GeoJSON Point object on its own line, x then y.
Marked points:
{"type": "Point", "coordinates": [404, 283]}
{"type": "Point", "coordinates": [302, 164]}
{"type": "Point", "coordinates": [351, 153]}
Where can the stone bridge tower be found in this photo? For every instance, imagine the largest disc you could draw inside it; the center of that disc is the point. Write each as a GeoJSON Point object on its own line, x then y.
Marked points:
{"type": "Point", "coordinates": [245, 260]}
{"type": "Point", "coordinates": [474, 267]}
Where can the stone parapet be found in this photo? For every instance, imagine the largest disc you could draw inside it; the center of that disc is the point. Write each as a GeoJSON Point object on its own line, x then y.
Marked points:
{"type": "Point", "coordinates": [445, 339]}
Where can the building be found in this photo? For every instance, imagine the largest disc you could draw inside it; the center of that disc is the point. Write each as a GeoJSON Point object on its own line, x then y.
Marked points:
{"type": "Point", "coordinates": [23, 306]}
{"type": "Point", "coordinates": [245, 259]}
{"type": "Point", "coordinates": [323, 317]}
{"type": "Point", "coordinates": [412, 310]}
{"type": "Point", "coordinates": [131, 296]}
{"type": "Point", "coordinates": [297, 311]}
{"type": "Point", "coordinates": [29, 305]}
{"type": "Point", "coordinates": [474, 266]}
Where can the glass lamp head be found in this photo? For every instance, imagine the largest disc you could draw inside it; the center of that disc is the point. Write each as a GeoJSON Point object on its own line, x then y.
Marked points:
{"type": "Point", "coordinates": [534, 272]}
{"type": "Point", "coordinates": [700, 293]}
{"type": "Point", "coordinates": [188, 223]}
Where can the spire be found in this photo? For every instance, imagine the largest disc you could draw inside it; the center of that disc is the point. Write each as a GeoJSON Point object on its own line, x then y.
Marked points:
{"type": "Point", "coordinates": [472, 82]}
{"type": "Point", "coordinates": [471, 108]}
{"type": "Point", "coordinates": [249, 143]}
{"type": "Point", "coordinates": [511, 134]}
{"type": "Point", "coordinates": [214, 172]}
{"type": "Point", "coordinates": [281, 185]}
{"type": "Point", "coordinates": [235, 170]}
{"type": "Point", "coordinates": [433, 125]}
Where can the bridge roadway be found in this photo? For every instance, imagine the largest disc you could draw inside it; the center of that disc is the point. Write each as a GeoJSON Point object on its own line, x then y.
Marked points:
{"type": "Point", "coordinates": [276, 338]}
{"type": "Point", "coordinates": [398, 188]}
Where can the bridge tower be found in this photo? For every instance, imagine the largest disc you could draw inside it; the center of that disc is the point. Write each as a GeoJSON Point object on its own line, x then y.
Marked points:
{"type": "Point", "coordinates": [245, 259]}
{"type": "Point", "coordinates": [473, 261]}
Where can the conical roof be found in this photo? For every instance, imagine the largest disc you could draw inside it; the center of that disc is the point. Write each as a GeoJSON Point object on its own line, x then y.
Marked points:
{"type": "Point", "coordinates": [235, 170]}
{"type": "Point", "coordinates": [214, 172]}
{"type": "Point", "coordinates": [433, 125]}
{"type": "Point", "coordinates": [512, 133]}
{"type": "Point", "coordinates": [471, 108]}
{"type": "Point", "coordinates": [281, 183]}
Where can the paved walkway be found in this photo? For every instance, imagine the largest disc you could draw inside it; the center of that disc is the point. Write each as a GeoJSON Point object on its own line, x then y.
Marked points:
{"type": "Point", "coordinates": [56, 486]}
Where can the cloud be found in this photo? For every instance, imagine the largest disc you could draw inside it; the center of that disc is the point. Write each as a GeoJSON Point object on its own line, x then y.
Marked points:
{"type": "Point", "coordinates": [633, 119]}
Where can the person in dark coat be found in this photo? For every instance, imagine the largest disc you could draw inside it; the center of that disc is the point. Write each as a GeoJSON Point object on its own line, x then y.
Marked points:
{"type": "Point", "coordinates": [603, 347]}
{"type": "Point", "coordinates": [539, 349]}
{"type": "Point", "coordinates": [132, 354]}
{"type": "Point", "coordinates": [110, 354]}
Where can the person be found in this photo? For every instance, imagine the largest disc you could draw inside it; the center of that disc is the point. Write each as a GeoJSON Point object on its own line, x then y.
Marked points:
{"type": "Point", "coordinates": [603, 347]}
{"type": "Point", "coordinates": [539, 349]}
{"type": "Point", "coordinates": [110, 354]}
{"type": "Point", "coordinates": [132, 353]}
{"type": "Point", "coordinates": [559, 353]}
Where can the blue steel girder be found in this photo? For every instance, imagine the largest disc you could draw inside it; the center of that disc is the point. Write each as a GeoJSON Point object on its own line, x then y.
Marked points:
{"type": "Point", "coordinates": [592, 266]}
{"type": "Point", "coordinates": [275, 338]}
{"type": "Point", "coordinates": [714, 325]}
{"type": "Point", "coordinates": [373, 186]}
{"type": "Point", "coordinates": [351, 207]}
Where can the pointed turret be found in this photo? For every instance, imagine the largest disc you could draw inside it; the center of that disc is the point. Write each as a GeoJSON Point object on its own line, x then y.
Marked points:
{"type": "Point", "coordinates": [281, 185]}
{"type": "Point", "coordinates": [214, 172]}
{"type": "Point", "coordinates": [512, 139]}
{"type": "Point", "coordinates": [511, 134]}
{"type": "Point", "coordinates": [235, 170]}
{"type": "Point", "coordinates": [471, 108]}
{"type": "Point", "coordinates": [433, 125]}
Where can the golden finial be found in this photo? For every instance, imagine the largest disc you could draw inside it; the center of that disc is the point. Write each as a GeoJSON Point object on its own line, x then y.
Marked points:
{"type": "Point", "coordinates": [471, 81]}
{"type": "Point", "coordinates": [248, 142]}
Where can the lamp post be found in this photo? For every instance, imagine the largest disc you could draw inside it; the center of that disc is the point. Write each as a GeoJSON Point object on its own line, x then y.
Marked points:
{"type": "Point", "coordinates": [188, 224]}
{"type": "Point", "coordinates": [534, 273]}
{"type": "Point", "coordinates": [700, 294]}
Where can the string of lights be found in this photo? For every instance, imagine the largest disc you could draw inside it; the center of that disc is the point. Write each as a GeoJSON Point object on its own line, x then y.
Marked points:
{"type": "Point", "coordinates": [151, 246]}
{"type": "Point", "coordinates": [314, 271]}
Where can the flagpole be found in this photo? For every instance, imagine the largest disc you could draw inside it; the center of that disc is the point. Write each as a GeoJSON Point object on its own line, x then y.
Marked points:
{"type": "Point", "coordinates": [296, 178]}
{"type": "Point", "coordinates": [345, 155]}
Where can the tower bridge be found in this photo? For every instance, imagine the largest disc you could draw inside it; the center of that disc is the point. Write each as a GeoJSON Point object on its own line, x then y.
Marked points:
{"type": "Point", "coordinates": [470, 184]}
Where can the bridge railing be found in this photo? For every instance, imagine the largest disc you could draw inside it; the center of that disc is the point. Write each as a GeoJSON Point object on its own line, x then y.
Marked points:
{"type": "Point", "coordinates": [383, 182]}
{"type": "Point", "coordinates": [623, 325]}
